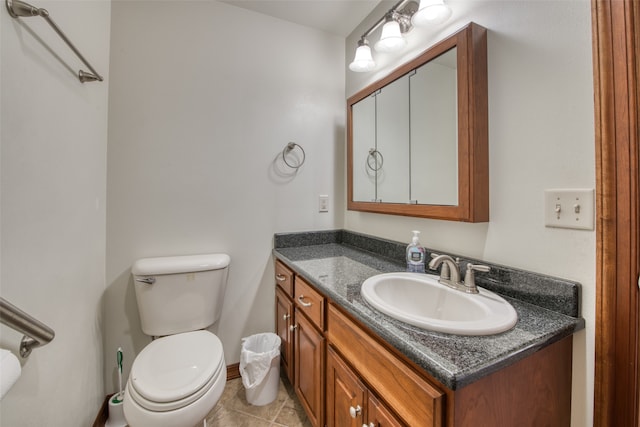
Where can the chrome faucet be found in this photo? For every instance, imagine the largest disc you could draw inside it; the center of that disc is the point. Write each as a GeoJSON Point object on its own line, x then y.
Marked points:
{"type": "Point", "coordinates": [450, 273]}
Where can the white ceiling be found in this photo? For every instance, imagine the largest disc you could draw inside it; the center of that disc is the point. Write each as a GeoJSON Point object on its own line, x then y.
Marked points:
{"type": "Point", "coordinates": [339, 17]}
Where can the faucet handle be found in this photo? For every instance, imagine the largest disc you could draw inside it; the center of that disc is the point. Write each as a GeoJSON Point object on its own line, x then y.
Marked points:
{"type": "Point", "coordinates": [470, 276]}
{"type": "Point", "coordinates": [478, 267]}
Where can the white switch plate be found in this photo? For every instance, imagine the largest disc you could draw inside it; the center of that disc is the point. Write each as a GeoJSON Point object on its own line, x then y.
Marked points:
{"type": "Point", "coordinates": [323, 203]}
{"type": "Point", "coordinates": [569, 208]}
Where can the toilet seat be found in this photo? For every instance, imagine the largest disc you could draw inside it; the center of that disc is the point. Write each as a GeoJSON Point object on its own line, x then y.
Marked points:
{"type": "Point", "coordinates": [175, 371]}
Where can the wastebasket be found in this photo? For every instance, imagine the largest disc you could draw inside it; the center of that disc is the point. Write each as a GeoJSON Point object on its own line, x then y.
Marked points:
{"type": "Point", "coordinates": [260, 367]}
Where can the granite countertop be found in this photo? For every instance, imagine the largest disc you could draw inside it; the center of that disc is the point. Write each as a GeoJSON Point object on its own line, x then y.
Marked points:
{"type": "Point", "coordinates": [338, 269]}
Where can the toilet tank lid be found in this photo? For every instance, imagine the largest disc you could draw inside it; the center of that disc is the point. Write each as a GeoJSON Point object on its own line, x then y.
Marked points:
{"type": "Point", "coordinates": [180, 264]}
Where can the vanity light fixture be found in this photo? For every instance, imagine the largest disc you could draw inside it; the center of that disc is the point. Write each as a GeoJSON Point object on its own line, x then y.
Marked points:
{"type": "Point", "coordinates": [397, 21]}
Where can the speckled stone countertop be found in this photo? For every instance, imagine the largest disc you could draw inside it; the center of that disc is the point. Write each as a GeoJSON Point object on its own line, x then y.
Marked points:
{"type": "Point", "coordinates": [337, 262]}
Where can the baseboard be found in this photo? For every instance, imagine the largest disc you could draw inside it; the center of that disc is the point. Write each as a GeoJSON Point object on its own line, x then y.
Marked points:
{"type": "Point", "coordinates": [103, 412]}
{"type": "Point", "coordinates": [233, 372]}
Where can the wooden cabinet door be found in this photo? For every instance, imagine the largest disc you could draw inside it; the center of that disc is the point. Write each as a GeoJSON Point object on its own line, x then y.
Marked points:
{"type": "Point", "coordinates": [345, 394]}
{"type": "Point", "coordinates": [378, 415]}
{"type": "Point", "coordinates": [284, 319]}
{"type": "Point", "coordinates": [309, 368]}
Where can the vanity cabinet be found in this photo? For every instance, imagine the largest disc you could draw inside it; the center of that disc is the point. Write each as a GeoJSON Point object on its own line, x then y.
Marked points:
{"type": "Point", "coordinates": [284, 321]}
{"type": "Point", "coordinates": [416, 400]}
{"type": "Point", "coordinates": [346, 375]}
{"type": "Point", "coordinates": [284, 317]}
{"type": "Point", "coordinates": [309, 350]}
{"type": "Point", "coordinates": [349, 402]}
{"type": "Point", "coordinates": [300, 312]}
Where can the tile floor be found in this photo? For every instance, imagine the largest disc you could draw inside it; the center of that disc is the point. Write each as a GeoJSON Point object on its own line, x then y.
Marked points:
{"type": "Point", "coordinates": [233, 410]}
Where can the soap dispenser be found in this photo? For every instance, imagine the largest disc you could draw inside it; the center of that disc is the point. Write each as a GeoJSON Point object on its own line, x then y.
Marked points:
{"type": "Point", "coordinates": [415, 255]}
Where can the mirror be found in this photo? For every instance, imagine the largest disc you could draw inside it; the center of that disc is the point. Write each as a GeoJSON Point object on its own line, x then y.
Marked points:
{"type": "Point", "coordinates": [417, 139]}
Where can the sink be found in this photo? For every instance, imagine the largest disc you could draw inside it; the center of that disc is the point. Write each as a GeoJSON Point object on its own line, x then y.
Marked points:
{"type": "Point", "coordinates": [418, 299]}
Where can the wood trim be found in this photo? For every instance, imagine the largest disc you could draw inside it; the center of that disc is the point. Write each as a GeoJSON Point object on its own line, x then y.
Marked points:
{"type": "Point", "coordinates": [233, 371]}
{"type": "Point", "coordinates": [616, 35]}
{"type": "Point", "coordinates": [103, 412]}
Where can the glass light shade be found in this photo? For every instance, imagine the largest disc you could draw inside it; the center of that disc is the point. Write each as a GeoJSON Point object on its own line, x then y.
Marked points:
{"type": "Point", "coordinates": [363, 61]}
{"type": "Point", "coordinates": [431, 12]}
{"type": "Point", "coordinates": [391, 39]}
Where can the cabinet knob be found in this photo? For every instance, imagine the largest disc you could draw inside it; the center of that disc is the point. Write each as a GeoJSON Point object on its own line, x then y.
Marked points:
{"type": "Point", "coordinates": [293, 327]}
{"type": "Point", "coordinates": [354, 412]}
{"type": "Point", "coordinates": [286, 316]}
{"type": "Point", "coordinates": [368, 425]}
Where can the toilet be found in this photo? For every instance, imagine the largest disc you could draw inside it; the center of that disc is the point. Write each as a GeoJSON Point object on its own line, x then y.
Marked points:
{"type": "Point", "coordinates": [179, 377]}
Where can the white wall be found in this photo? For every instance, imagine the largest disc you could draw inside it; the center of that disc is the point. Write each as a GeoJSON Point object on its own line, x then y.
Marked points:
{"type": "Point", "coordinates": [204, 96]}
{"type": "Point", "coordinates": [53, 170]}
{"type": "Point", "coordinates": [541, 135]}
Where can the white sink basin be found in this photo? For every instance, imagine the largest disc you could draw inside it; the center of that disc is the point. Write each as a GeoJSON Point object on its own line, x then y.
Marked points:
{"type": "Point", "coordinates": [418, 299]}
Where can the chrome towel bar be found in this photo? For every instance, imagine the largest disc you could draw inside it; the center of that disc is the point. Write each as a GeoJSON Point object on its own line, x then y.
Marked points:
{"type": "Point", "coordinates": [19, 8]}
{"type": "Point", "coordinates": [36, 333]}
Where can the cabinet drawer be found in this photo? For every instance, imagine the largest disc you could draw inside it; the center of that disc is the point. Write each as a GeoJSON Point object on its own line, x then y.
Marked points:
{"type": "Point", "coordinates": [284, 278]}
{"type": "Point", "coordinates": [309, 302]}
{"type": "Point", "coordinates": [413, 398]}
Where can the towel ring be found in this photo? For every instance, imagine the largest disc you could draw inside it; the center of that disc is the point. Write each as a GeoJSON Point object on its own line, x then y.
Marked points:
{"type": "Point", "coordinates": [374, 154]}
{"type": "Point", "coordinates": [291, 146]}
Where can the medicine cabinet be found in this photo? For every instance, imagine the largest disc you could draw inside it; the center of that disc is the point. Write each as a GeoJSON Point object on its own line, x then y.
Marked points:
{"type": "Point", "coordinates": [417, 139]}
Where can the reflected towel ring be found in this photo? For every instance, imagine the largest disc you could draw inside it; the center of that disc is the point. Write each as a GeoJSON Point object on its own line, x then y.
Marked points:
{"type": "Point", "coordinates": [373, 154]}
{"type": "Point", "coordinates": [290, 146]}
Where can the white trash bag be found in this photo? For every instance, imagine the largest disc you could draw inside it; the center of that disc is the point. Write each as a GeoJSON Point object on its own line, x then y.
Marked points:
{"type": "Point", "coordinates": [260, 367]}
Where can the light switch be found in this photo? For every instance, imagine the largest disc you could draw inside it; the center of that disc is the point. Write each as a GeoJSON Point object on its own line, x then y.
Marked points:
{"type": "Point", "coordinates": [323, 203]}
{"type": "Point", "coordinates": [569, 208]}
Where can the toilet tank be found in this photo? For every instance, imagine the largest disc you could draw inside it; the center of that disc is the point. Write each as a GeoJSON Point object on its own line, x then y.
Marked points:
{"type": "Point", "coordinates": [181, 293]}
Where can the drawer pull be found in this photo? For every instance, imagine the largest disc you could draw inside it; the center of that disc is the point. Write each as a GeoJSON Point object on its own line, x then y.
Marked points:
{"type": "Point", "coordinates": [304, 304]}
{"type": "Point", "coordinates": [368, 425]}
{"type": "Point", "coordinates": [281, 277]}
{"type": "Point", "coordinates": [354, 412]}
{"type": "Point", "coordinates": [293, 327]}
{"type": "Point", "coordinates": [286, 317]}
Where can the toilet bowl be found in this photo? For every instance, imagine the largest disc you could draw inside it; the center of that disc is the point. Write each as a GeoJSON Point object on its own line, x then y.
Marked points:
{"type": "Point", "coordinates": [175, 381]}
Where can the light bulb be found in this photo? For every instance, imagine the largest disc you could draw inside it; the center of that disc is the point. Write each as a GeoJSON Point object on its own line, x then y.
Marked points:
{"type": "Point", "coordinates": [363, 61]}
{"type": "Point", "coordinates": [431, 12]}
{"type": "Point", "coordinates": [391, 39]}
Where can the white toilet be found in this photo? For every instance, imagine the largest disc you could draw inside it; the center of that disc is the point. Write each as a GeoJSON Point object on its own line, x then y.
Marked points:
{"type": "Point", "coordinates": [178, 378]}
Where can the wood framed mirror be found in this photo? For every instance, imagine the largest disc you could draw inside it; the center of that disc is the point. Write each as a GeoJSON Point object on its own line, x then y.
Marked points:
{"type": "Point", "coordinates": [417, 144]}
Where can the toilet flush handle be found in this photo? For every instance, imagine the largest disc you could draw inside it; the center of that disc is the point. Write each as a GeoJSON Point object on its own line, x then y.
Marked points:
{"type": "Point", "coordinates": [147, 280]}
